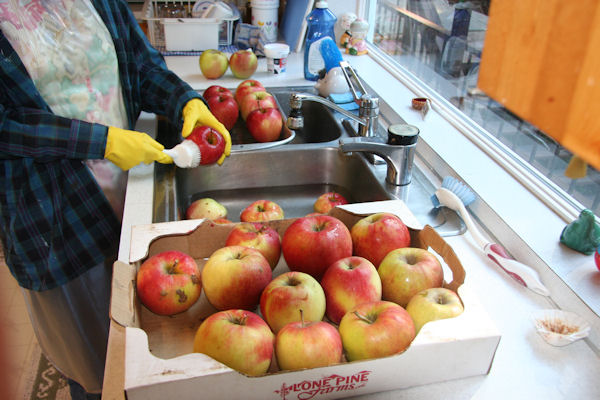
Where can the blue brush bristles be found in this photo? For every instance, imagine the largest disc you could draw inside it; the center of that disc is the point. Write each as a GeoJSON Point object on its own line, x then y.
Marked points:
{"type": "Point", "coordinates": [461, 190]}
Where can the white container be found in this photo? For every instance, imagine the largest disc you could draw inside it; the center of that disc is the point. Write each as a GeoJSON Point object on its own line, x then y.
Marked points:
{"type": "Point", "coordinates": [265, 15]}
{"type": "Point", "coordinates": [191, 34]}
{"type": "Point", "coordinates": [276, 57]}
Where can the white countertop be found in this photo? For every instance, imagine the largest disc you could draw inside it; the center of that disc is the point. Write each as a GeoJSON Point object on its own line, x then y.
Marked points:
{"type": "Point", "coordinates": [525, 366]}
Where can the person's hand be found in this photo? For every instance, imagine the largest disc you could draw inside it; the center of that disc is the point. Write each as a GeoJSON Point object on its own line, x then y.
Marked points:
{"type": "Point", "coordinates": [126, 149]}
{"type": "Point", "coordinates": [195, 113]}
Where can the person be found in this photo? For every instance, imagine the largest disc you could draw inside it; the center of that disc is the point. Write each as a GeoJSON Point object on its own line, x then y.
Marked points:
{"type": "Point", "coordinates": [74, 77]}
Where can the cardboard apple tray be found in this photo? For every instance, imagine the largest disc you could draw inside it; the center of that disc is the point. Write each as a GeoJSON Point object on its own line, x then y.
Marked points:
{"type": "Point", "coordinates": [160, 364]}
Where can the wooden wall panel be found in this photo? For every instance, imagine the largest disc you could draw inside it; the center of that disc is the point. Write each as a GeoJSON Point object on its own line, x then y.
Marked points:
{"type": "Point", "coordinates": [541, 60]}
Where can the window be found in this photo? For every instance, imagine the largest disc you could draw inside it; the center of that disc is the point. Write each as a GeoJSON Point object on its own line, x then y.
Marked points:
{"type": "Point", "coordinates": [440, 42]}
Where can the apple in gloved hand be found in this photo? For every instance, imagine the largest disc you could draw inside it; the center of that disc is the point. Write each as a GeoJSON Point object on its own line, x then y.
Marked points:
{"type": "Point", "coordinates": [169, 282]}
{"type": "Point", "coordinates": [265, 124]}
{"type": "Point", "coordinates": [209, 141]}
{"type": "Point", "coordinates": [225, 109]}
{"type": "Point", "coordinates": [213, 63]}
{"type": "Point", "coordinates": [243, 63]}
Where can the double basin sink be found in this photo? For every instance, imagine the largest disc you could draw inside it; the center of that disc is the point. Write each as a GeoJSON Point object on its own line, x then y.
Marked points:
{"type": "Point", "coordinates": [293, 174]}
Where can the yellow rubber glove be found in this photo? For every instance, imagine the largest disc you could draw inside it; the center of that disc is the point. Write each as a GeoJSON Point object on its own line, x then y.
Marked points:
{"type": "Point", "coordinates": [126, 149]}
{"type": "Point", "coordinates": [195, 113]}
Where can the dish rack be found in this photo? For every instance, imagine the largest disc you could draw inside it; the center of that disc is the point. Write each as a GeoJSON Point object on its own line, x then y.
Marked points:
{"type": "Point", "coordinates": [161, 15]}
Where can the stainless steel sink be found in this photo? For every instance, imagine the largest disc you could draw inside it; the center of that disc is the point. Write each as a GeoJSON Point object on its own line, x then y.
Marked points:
{"type": "Point", "coordinates": [293, 176]}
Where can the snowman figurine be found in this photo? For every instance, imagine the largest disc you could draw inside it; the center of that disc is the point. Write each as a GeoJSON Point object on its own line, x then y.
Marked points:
{"type": "Point", "coordinates": [357, 44]}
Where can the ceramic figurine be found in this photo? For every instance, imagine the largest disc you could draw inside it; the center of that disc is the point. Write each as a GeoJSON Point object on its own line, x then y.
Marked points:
{"type": "Point", "coordinates": [583, 234]}
{"type": "Point", "coordinates": [358, 45]}
{"type": "Point", "coordinates": [344, 25]}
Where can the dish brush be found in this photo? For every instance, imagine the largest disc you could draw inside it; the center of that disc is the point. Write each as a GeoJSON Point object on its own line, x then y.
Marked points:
{"type": "Point", "coordinates": [185, 155]}
{"type": "Point", "coordinates": [456, 195]}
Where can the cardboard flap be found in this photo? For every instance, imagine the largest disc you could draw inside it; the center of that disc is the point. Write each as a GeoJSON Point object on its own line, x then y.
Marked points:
{"type": "Point", "coordinates": [122, 298]}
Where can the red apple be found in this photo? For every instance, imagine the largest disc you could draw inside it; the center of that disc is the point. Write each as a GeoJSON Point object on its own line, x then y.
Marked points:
{"type": "Point", "coordinates": [347, 283]}
{"type": "Point", "coordinates": [206, 208]}
{"type": "Point", "coordinates": [433, 304]}
{"type": "Point", "coordinates": [376, 235]}
{"type": "Point", "coordinates": [168, 283]}
{"type": "Point", "coordinates": [303, 344]}
{"type": "Point", "coordinates": [597, 258]}
{"type": "Point", "coordinates": [216, 90]}
{"type": "Point", "coordinates": [209, 141]}
{"type": "Point", "coordinates": [254, 101]}
{"type": "Point", "coordinates": [234, 277]}
{"type": "Point", "coordinates": [405, 272]}
{"type": "Point", "coordinates": [225, 109]}
{"type": "Point", "coordinates": [213, 63]}
{"type": "Point", "coordinates": [376, 329]}
{"type": "Point", "coordinates": [287, 294]}
{"type": "Point", "coordinates": [239, 339]}
{"type": "Point", "coordinates": [246, 87]}
{"type": "Point", "coordinates": [261, 210]}
{"type": "Point", "coordinates": [327, 201]}
{"type": "Point", "coordinates": [257, 236]}
{"type": "Point", "coordinates": [312, 244]}
{"type": "Point", "coordinates": [243, 63]}
{"type": "Point", "coordinates": [265, 124]}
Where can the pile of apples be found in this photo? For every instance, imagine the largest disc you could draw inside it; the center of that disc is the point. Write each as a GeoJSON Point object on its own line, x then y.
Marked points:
{"type": "Point", "coordinates": [347, 294]}
{"type": "Point", "coordinates": [252, 103]}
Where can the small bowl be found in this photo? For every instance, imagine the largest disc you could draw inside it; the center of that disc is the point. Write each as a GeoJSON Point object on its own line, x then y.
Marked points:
{"type": "Point", "coordinates": [419, 102]}
{"type": "Point", "coordinates": [560, 328]}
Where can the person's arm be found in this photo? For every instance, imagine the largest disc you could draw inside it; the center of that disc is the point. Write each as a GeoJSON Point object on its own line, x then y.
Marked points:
{"type": "Point", "coordinates": [33, 133]}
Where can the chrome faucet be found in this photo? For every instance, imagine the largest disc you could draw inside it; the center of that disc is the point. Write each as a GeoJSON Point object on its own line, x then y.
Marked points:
{"type": "Point", "coordinates": [398, 151]}
{"type": "Point", "coordinates": [368, 110]}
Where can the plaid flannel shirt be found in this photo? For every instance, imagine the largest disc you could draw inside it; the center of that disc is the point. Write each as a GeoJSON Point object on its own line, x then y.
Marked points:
{"type": "Point", "coordinates": [55, 221]}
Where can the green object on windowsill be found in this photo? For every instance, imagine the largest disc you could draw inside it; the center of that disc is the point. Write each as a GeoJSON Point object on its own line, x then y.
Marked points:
{"type": "Point", "coordinates": [583, 234]}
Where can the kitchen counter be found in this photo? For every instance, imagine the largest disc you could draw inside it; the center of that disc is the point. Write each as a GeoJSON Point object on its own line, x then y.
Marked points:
{"type": "Point", "coordinates": [525, 366]}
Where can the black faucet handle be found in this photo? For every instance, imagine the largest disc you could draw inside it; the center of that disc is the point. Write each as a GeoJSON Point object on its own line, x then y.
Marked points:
{"type": "Point", "coordinates": [402, 134]}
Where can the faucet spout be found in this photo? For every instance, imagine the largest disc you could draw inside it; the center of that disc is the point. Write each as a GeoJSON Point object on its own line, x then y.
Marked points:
{"type": "Point", "coordinates": [398, 152]}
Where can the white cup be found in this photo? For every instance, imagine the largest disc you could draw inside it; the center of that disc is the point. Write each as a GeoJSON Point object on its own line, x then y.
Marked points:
{"type": "Point", "coordinates": [276, 57]}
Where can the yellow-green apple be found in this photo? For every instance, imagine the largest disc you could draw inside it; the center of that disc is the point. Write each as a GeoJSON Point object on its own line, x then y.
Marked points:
{"type": "Point", "coordinates": [216, 90]}
{"type": "Point", "coordinates": [261, 210]}
{"type": "Point", "coordinates": [254, 101]}
{"type": "Point", "coordinates": [210, 143]}
{"type": "Point", "coordinates": [376, 329]}
{"type": "Point", "coordinates": [243, 63]}
{"type": "Point", "coordinates": [347, 283]}
{"type": "Point", "coordinates": [240, 339]}
{"type": "Point", "coordinates": [433, 304]}
{"type": "Point", "coordinates": [303, 344]}
{"type": "Point", "coordinates": [287, 294]}
{"type": "Point", "coordinates": [169, 282]}
{"type": "Point", "coordinates": [234, 277]}
{"type": "Point", "coordinates": [246, 87]}
{"type": "Point", "coordinates": [312, 244]}
{"type": "Point", "coordinates": [405, 272]}
{"type": "Point", "coordinates": [257, 236]}
{"type": "Point", "coordinates": [327, 201]}
{"type": "Point", "coordinates": [377, 234]}
{"type": "Point", "coordinates": [213, 63]}
{"type": "Point", "coordinates": [206, 208]}
{"type": "Point", "coordinates": [265, 124]}
{"type": "Point", "coordinates": [225, 109]}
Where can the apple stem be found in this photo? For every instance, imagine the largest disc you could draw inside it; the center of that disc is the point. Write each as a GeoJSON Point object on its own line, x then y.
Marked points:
{"type": "Point", "coordinates": [440, 300]}
{"type": "Point", "coordinates": [171, 269]}
{"type": "Point", "coordinates": [302, 317]}
{"type": "Point", "coordinates": [363, 317]}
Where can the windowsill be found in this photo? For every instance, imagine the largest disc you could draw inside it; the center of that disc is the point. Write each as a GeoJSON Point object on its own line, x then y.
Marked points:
{"type": "Point", "coordinates": [517, 218]}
